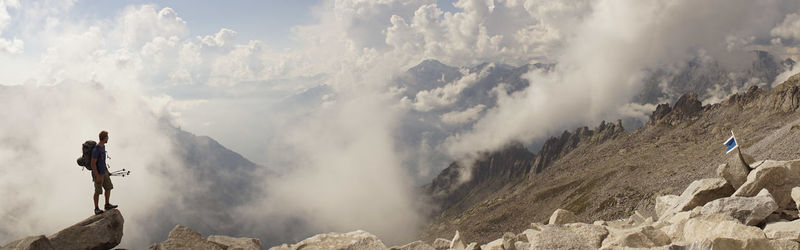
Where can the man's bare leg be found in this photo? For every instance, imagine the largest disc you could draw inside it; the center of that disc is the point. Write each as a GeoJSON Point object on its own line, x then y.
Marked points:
{"type": "Point", "coordinates": [108, 195]}
{"type": "Point", "coordinates": [96, 198]}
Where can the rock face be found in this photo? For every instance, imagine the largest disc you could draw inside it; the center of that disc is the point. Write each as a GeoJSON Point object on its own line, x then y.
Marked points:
{"type": "Point", "coordinates": [357, 240]}
{"type": "Point", "coordinates": [561, 216]}
{"type": "Point", "coordinates": [775, 176]}
{"type": "Point", "coordinates": [182, 237]}
{"type": "Point", "coordinates": [569, 236]}
{"type": "Point", "coordinates": [749, 210]}
{"type": "Point", "coordinates": [231, 243]}
{"type": "Point", "coordinates": [102, 231]}
{"type": "Point", "coordinates": [30, 243]}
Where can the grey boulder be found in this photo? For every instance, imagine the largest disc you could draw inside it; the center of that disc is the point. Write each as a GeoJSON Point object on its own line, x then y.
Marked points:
{"type": "Point", "coordinates": [750, 211]}
{"type": "Point", "coordinates": [103, 231]}
{"type": "Point", "coordinates": [569, 236]}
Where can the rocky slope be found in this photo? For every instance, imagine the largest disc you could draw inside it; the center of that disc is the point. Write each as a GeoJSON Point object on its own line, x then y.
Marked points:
{"type": "Point", "coordinates": [711, 213]}
{"type": "Point", "coordinates": [462, 185]}
{"type": "Point", "coordinates": [611, 179]}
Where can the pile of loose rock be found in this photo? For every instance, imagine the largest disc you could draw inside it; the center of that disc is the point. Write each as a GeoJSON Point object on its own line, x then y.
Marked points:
{"type": "Point", "coordinates": [752, 205]}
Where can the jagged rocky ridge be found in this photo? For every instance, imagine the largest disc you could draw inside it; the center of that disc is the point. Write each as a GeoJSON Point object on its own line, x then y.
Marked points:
{"type": "Point", "coordinates": [451, 189]}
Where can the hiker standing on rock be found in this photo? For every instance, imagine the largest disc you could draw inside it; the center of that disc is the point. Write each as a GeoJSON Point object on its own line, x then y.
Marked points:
{"type": "Point", "coordinates": [100, 176]}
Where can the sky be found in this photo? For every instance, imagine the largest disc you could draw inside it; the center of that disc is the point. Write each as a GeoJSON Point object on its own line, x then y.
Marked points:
{"type": "Point", "coordinates": [307, 89]}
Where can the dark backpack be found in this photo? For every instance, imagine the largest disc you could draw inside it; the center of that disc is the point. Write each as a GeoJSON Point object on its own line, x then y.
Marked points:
{"type": "Point", "coordinates": [86, 158]}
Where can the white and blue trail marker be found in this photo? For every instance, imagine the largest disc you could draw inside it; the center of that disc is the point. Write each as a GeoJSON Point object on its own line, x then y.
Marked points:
{"type": "Point", "coordinates": [731, 143]}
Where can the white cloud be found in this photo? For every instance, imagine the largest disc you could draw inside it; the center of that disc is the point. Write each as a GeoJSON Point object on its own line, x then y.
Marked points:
{"type": "Point", "coordinates": [448, 94]}
{"type": "Point", "coordinates": [600, 68]}
{"type": "Point", "coordinates": [223, 37]}
{"type": "Point", "coordinates": [465, 116]}
{"type": "Point", "coordinates": [13, 45]}
{"type": "Point", "coordinates": [143, 24]}
{"type": "Point", "coordinates": [789, 28]}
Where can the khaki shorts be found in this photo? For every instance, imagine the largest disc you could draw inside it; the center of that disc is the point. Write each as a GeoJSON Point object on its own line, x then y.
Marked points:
{"type": "Point", "coordinates": [107, 185]}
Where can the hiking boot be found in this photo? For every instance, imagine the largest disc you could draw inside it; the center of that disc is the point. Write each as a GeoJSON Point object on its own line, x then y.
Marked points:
{"type": "Point", "coordinates": [97, 211]}
{"type": "Point", "coordinates": [110, 206]}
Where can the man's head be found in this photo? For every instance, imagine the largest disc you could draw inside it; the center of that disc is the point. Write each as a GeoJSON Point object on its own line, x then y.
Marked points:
{"type": "Point", "coordinates": [104, 136]}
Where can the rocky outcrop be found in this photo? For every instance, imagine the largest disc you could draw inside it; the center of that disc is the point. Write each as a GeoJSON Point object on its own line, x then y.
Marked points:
{"type": "Point", "coordinates": [454, 185]}
{"type": "Point", "coordinates": [748, 210]}
{"type": "Point", "coordinates": [786, 96]}
{"type": "Point", "coordinates": [557, 147]}
{"type": "Point", "coordinates": [687, 106]}
{"type": "Point", "coordinates": [103, 231]}
{"type": "Point", "coordinates": [357, 240]}
{"type": "Point", "coordinates": [562, 216]}
{"type": "Point", "coordinates": [775, 176]}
